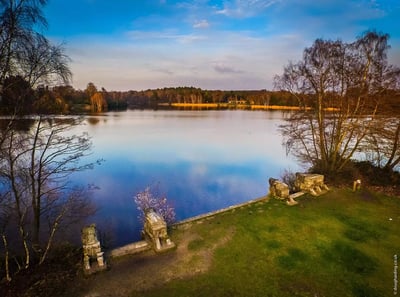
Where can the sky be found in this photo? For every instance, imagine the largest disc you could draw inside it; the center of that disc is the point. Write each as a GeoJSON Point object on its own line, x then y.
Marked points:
{"type": "Point", "coordinates": [216, 45]}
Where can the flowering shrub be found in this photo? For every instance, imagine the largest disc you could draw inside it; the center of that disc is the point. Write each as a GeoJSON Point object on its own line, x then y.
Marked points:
{"type": "Point", "coordinates": [146, 200]}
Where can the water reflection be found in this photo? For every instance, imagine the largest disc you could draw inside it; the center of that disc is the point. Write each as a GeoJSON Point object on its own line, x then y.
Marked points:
{"type": "Point", "coordinates": [203, 161]}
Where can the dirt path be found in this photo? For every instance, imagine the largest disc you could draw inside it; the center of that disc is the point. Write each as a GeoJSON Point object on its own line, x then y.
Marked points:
{"type": "Point", "coordinates": [148, 269]}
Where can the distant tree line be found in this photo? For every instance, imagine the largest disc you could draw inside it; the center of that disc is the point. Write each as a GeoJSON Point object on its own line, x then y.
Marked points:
{"type": "Point", "coordinates": [64, 99]}
{"type": "Point", "coordinates": [192, 95]}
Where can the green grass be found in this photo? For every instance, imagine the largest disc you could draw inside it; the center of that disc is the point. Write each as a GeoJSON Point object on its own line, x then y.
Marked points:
{"type": "Point", "coordinates": [339, 244]}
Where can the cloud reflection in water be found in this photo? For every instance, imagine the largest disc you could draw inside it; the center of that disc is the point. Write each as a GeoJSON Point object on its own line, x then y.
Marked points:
{"type": "Point", "coordinates": [202, 160]}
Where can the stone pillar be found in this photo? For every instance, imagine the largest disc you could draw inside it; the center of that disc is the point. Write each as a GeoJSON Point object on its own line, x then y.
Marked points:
{"type": "Point", "coordinates": [356, 185]}
{"type": "Point", "coordinates": [155, 231]}
{"type": "Point", "coordinates": [91, 249]}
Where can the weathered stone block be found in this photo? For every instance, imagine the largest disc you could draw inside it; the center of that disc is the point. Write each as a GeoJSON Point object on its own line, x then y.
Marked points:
{"type": "Point", "coordinates": [311, 183]}
{"type": "Point", "coordinates": [278, 189]}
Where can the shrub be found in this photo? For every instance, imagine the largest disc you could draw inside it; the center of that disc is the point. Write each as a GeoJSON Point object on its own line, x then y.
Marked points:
{"type": "Point", "coordinates": [289, 178]}
{"type": "Point", "coordinates": [146, 200]}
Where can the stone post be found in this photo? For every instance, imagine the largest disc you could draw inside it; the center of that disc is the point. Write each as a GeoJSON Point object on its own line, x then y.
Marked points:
{"type": "Point", "coordinates": [155, 231]}
{"type": "Point", "coordinates": [92, 249]}
{"type": "Point", "coordinates": [356, 185]}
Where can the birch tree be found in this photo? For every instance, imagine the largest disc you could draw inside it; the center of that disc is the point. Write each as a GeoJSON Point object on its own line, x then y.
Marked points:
{"type": "Point", "coordinates": [343, 83]}
{"type": "Point", "coordinates": [26, 54]}
{"type": "Point", "coordinates": [37, 197]}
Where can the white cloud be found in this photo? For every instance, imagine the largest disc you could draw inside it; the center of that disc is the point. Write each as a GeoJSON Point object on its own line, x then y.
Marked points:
{"type": "Point", "coordinates": [171, 35]}
{"type": "Point", "coordinates": [203, 24]}
{"type": "Point", "coordinates": [226, 44]}
{"type": "Point", "coordinates": [244, 8]}
{"type": "Point", "coordinates": [223, 60]}
{"type": "Point", "coordinates": [223, 68]}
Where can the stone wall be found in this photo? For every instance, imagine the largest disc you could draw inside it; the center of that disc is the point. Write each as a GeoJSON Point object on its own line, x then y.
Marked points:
{"type": "Point", "coordinates": [130, 249]}
{"type": "Point", "coordinates": [200, 218]}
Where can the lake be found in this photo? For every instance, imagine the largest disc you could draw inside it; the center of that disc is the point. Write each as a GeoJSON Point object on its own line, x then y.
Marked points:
{"type": "Point", "coordinates": [202, 160]}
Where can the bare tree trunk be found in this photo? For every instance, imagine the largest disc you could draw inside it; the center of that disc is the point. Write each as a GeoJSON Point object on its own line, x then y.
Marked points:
{"type": "Point", "coordinates": [392, 162]}
{"type": "Point", "coordinates": [50, 240]}
{"type": "Point", "coordinates": [6, 257]}
{"type": "Point", "coordinates": [35, 197]}
{"type": "Point", "coordinates": [21, 213]}
{"type": "Point", "coordinates": [25, 244]}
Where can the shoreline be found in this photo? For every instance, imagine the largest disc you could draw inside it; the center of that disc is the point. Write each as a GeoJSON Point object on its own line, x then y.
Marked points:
{"type": "Point", "coordinates": [239, 106]}
{"type": "Point", "coordinates": [211, 214]}
{"type": "Point", "coordinates": [233, 106]}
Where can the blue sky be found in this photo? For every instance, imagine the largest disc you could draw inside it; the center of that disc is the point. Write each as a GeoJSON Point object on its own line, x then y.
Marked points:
{"type": "Point", "coordinates": [226, 45]}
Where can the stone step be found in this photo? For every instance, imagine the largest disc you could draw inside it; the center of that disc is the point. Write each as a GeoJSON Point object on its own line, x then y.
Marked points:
{"type": "Point", "coordinates": [295, 195]}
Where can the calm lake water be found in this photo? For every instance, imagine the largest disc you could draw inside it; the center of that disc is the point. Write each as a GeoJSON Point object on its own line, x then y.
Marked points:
{"type": "Point", "coordinates": [202, 161]}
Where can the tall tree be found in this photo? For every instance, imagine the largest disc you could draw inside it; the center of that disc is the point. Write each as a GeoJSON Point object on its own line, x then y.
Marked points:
{"type": "Point", "coordinates": [98, 102]}
{"type": "Point", "coordinates": [382, 145]}
{"type": "Point", "coordinates": [37, 197]}
{"type": "Point", "coordinates": [17, 20]}
{"type": "Point", "coordinates": [44, 63]}
{"type": "Point", "coordinates": [24, 52]}
{"type": "Point", "coordinates": [91, 89]}
{"type": "Point", "coordinates": [342, 83]}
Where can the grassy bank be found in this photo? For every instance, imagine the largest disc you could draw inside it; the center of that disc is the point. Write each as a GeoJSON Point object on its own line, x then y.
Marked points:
{"type": "Point", "coordinates": [340, 244]}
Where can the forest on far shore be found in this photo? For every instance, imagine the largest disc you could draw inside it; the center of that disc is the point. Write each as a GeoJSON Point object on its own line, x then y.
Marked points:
{"type": "Point", "coordinates": [66, 99]}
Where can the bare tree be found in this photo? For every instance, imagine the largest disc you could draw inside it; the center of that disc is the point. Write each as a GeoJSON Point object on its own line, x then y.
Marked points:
{"type": "Point", "coordinates": [17, 19]}
{"type": "Point", "coordinates": [36, 198]}
{"type": "Point", "coordinates": [43, 63]}
{"type": "Point", "coordinates": [343, 84]}
{"type": "Point", "coordinates": [27, 54]}
{"type": "Point", "coordinates": [382, 146]}
{"type": "Point", "coordinates": [5, 218]}
{"type": "Point", "coordinates": [36, 194]}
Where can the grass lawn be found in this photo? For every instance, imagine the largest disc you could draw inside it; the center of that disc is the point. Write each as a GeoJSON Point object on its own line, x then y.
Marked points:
{"type": "Point", "coordinates": [339, 244]}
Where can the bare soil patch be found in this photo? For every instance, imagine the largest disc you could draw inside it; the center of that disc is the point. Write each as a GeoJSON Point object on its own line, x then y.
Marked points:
{"type": "Point", "coordinates": [149, 269]}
